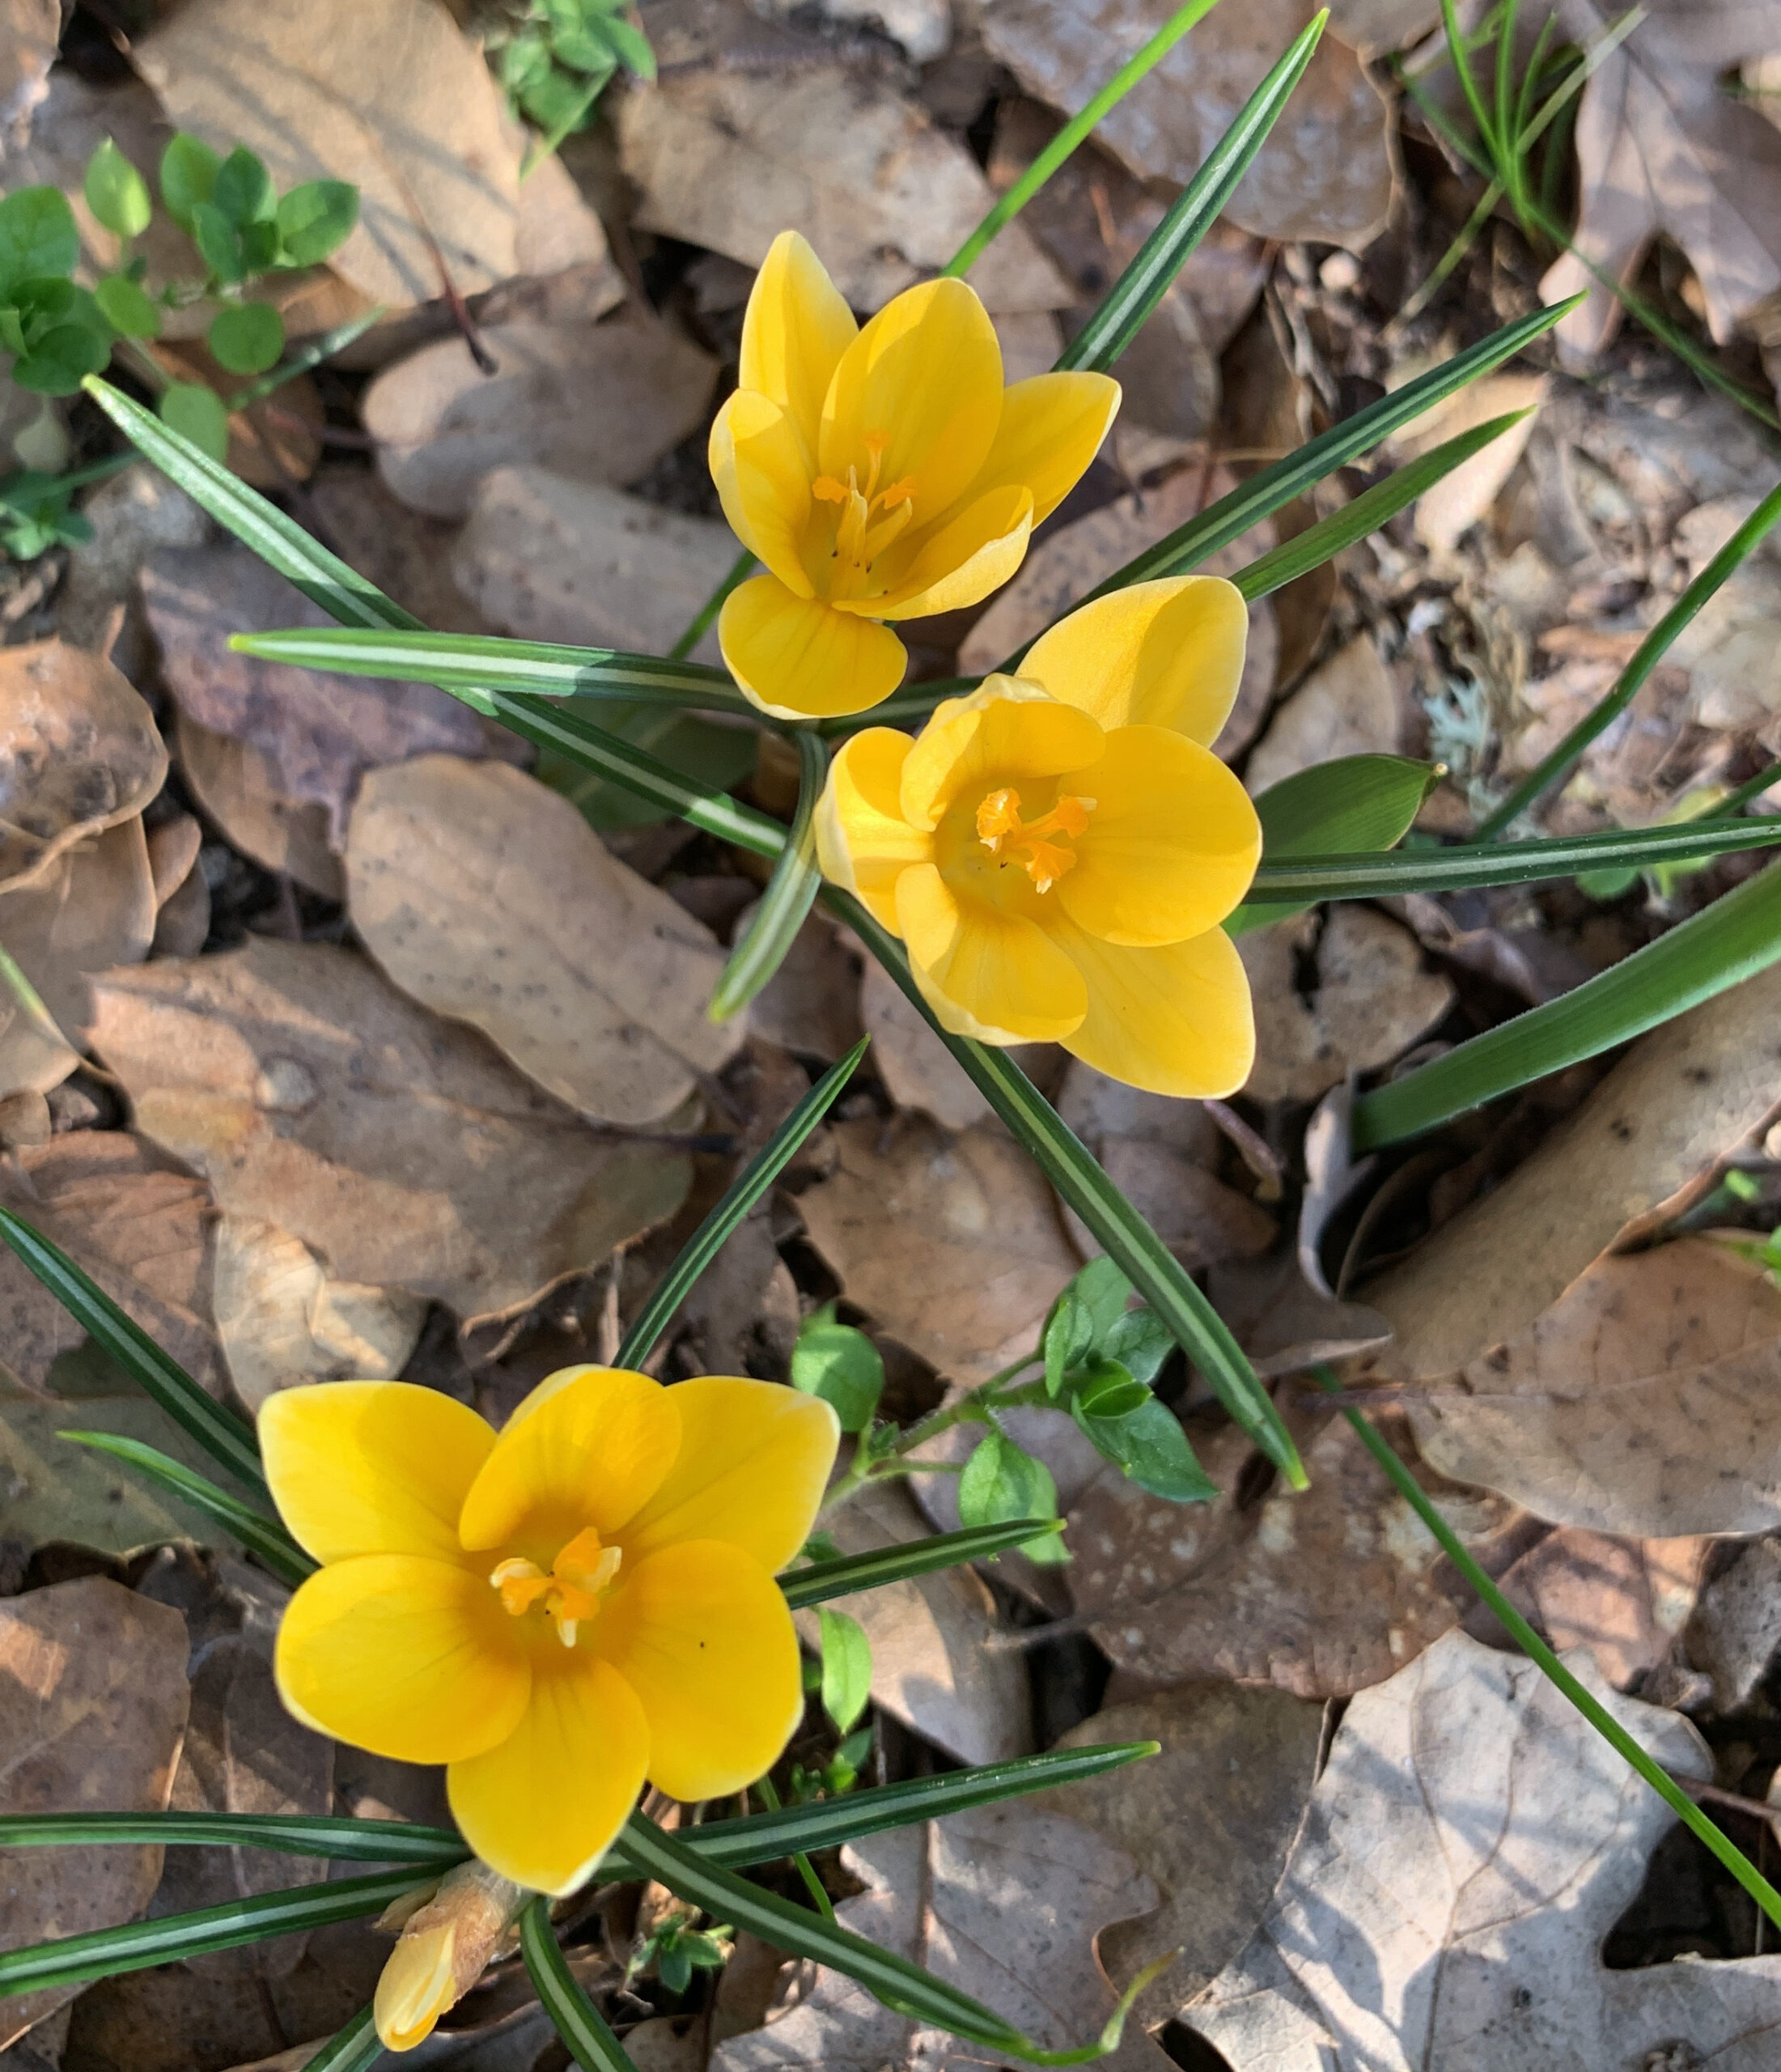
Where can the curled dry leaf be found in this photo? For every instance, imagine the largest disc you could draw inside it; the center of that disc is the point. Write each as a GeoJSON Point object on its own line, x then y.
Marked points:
{"type": "Point", "coordinates": [93, 1702]}
{"type": "Point", "coordinates": [398, 101]}
{"type": "Point", "coordinates": [1347, 706]}
{"type": "Point", "coordinates": [1637, 1152]}
{"type": "Point", "coordinates": [317, 733]}
{"type": "Point", "coordinates": [952, 1243]}
{"type": "Point", "coordinates": [1470, 1843]}
{"type": "Point", "coordinates": [551, 559]}
{"type": "Point", "coordinates": [1371, 999]}
{"type": "Point", "coordinates": [309, 1092]}
{"type": "Point", "coordinates": [1325, 172]}
{"type": "Point", "coordinates": [1460, 499]}
{"type": "Point", "coordinates": [238, 788]}
{"type": "Point", "coordinates": [930, 1667]}
{"type": "Point", "coordinates": [1212, 1820]}
{"type": "Point", "coordinates": [596, 403]}
{"type": "Point", "coordinates": [727, 159]}
{"type": "Point", "coordinates": [282, 1320]}
{"type": "Point", "coordinates": [1320, 1593]}
{"type": "Point", "coordinates": [487, 897]}
{"type": "Point", "coordinates": [140, 1226]}
{"type": "Point", "coordinates": [79, 753]}
{"type": "Point", "coordinates": [1003, 1903]}
{"type": "Point", "coordinates": [1642, 1402]}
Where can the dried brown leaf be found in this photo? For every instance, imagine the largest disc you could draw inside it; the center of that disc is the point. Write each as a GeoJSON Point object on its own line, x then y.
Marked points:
{"type": "Point", "coordinates": [238, 788]}
{"type": "Point", "coordinates": [918, 1070]}
{"type": "Point", "coordinates": [403, 1149]}
{"type": "Point", "coordinates": [1625, 1600]}
{"type": "Point", "coordinates": [1347, 706]}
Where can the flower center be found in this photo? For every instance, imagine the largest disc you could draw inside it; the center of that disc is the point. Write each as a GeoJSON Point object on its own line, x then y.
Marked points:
{"type": "Point", "coordinates": [579, 1576]}
{"type": "Point", "coordinates": [1005, 834]}
{"type": "Point", "coordinates": [859, 540]}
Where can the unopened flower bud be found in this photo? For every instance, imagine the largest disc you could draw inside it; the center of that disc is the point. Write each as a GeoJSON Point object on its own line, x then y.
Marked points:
{"type": "Point", "coordinates": [445, 1945]}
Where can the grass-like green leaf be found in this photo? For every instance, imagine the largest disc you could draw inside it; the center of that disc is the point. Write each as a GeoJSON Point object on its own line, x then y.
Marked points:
{"type": "Point", "coordinates": [471, 661]}
{"type": "Point", "coordinates": [823, 1580]}
{"type": "Point", "coordinates": [102, 1952]}
{"type": "Point", "coordinates": [228, 1438]}
{"type": "Point", "coordinates": [1129, 302]}
{"type": "Point", "coordinates": [354, 2049]}
{"type": "Point", "coordinates": [739, 1198]}
{"type": "Point", "coordinates": [1319, 543]}
{"type": "Point", "coordinates": [1651, 651]}
{"type": "Point", "coordinates": [295, 1834]}
{"type": "Point", "coordinates": [1158, 1276]}
{"type": "Point", "coordinates": [1736, 936]}
{"type": "Point", "coordinates": [792, 892]}
{"type": "Point", "coordinates": [261, 1535]}
{"type": "Point", "coordinates": [1531, 1645]}
{"type": "Point", "coordinates": [577, 2020]}
{"type": "Point", "coordinates": [890, 1978]}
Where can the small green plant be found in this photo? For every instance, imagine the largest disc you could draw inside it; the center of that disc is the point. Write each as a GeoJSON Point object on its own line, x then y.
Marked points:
{"type": "Point", "coordinates": [556, 58]}
{"type": "Point", "coordinates": [241, 230]}
{"type": "Point", "coordinates": [675, 1949]}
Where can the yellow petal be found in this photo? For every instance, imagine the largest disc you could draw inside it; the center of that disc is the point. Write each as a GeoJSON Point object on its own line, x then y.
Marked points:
{"type": "Point", "coordinates": [589, 1447]}
{"type": "Point", "coordinates": [925, 375]}
{"type": "Point", "coordinates": [863, 843]}
{"type": "Point", "coordinates": [1172, 843]}
{"type": "Point", "coordinates": [754, 1461]}
{"type": "Point", "coordinates": [961, 563]}
{"type": "Point", "coordinates": [992, 975]}
{"type": "Point", "coordinates": [1163, 654]}
{"type": "Point", "coordinates": [410, 1658]}
{"type": "Point", "coordinates": [796, 328]}
{"type": "Point", "coordinates": [1051, 427]}
{"type": "Point", "coordinates": [1004, 731]}
{"type": "Point", "coordinates": [762, 476]}
{"type": "Point", "coordinates": [801, 659]}
{"type": "Point", "coordinates": [545, 1806]}
{"type": "Point", "coordinates": [372, 1467]}
{"type": "Point", "coordinates": [1175, 1020]}
{"type": "Point", "coordinates": [701, 1634]}
{"type": "Point", "coordinates": [417, 1986]}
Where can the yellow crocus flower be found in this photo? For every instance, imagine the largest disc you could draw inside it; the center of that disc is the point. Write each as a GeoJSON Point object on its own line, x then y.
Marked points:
{"type": "Point", "coordinates": [879, 475]}
{"type": "Point", "coordinates": [559, 1611]}
{"type": "Point", "coordinates": [1058, 849]}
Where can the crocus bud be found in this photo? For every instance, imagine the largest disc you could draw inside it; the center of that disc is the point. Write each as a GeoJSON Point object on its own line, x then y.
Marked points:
{"type": "Point", "coordinates": [445, 1945]}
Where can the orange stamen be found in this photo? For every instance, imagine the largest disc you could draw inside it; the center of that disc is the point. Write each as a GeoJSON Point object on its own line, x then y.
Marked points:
{"type": "Point", "coordinates": [1000, 827]}
{"type": "Point", "coordinates": [579, 1576]}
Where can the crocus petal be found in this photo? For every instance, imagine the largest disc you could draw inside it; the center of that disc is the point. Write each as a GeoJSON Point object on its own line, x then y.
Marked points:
{"type": "Point", "coordinates": [863, 843]}
{"type": "Point", "coordinates": [545, 1806]}
{"type": "Point", "coordinates": [799, 659]}
{"type": "Point", "coordinates": [1051, 427]}
{"type": "Point", "coordinates": [755, 1459]}
{"type": "Point", "coordinates": [925, 376]}
{"type": "Point", "coordinates": [1163, 654]}
{"type": "Point", "coordinates": [961, 563]}
{"type": "Point", "coordinates": [1005, 730]}
{"type": "Point", "coordinates": [700, 1632]}
{"type": "Point", "coordinates": [763, 481]}
{"type": "Point", "coordinates": [372, 1467]}
{"type": "Point", "coordinates": [1175, 1020]}
{"type": "Point", "coordinates": [590, 1451]}
{"type": "Point", "coordinates": [992, 975]}
{"type": "Point", "coordinates": [795, 329]}
{"type": "Point", "coordinates": [410, 1658]}
{"type": "Point", "coordinates": [1172, 843]}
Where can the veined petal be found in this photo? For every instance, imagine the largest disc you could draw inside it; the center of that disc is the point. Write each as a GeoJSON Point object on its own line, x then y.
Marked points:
{"type": "Point", "coordinates": [925, 375]}
{"type": "Point", "coordinates": [372, 1467]}
{"type": "Point", "coordinates": [799, 658]}
{"type": "Point", "coordinates": [1005, 730]}
{"type": "Point", "coordinates": [1051, 427]}
{"type": "Point", "coordinates": [987, 974]}
{"type": "Point", "coordinates": [1174, 1020]}
{"type": "Point", "coordinates": [1171, 845]}
{"type": "Point", "coordinates": [863, 843]}
{"type": "Point", "coordinates": [975, 553]}
{"type": "Point", "coordinates": [795, 329]}
{"type": "Point", "coordinates": [701, 1631]}
{"type": "Point", "coordinates": [762, 475]}
{"type": "Point", "coordinates": [754, 1461]}
{"type": "Point", "coordinates": [411, 1658]}
{"type": "Point", "coordinates": [592, 1449]}
{"type": "Point", "coordinates": [543, 1805]}
{"type": "Point", "coordinates": [1162, 654]}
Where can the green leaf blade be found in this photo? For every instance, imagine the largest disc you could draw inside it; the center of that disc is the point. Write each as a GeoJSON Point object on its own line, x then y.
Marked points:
{"type": "Point", "coordinates": [574, 2017]}
{"type": "Point", "coordinates": [888, 1564]}
{"type": "Point", "coordinates": [790, 894]}
{"type": "Point", "coordinates": [260, 1535]}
